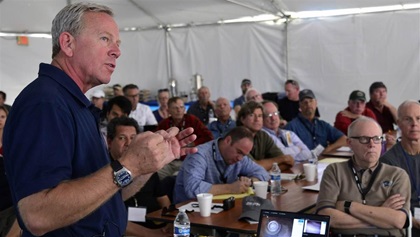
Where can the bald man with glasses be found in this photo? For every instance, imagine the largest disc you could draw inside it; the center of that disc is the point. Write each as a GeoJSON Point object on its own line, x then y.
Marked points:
{"type": "Point", "coordinates": [363, 196]}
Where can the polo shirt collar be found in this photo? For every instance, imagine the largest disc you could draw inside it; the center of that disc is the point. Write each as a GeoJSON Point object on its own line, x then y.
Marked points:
{"type": "Point", "coordinates": [64, 80]}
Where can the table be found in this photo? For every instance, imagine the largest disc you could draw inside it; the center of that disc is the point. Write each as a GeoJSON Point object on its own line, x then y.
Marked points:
{"type": "Point", "coordinates": [335, 153]}
{"type": "Point", "coordinates": [294, 200]}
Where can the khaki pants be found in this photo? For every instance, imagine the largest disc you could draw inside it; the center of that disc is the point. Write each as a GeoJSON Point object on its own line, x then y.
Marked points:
{"type": "Point", "coordinates": [170, 169]}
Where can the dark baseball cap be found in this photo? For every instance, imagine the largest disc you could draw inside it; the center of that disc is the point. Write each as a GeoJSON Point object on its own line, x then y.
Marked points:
{"type": "Point", "coordinates": [376, 85]}
{"type": "Point", "coordinates": [303, 94]}
{"type": "Point", "coordinates": [252, 205]}
{"type": "Point", "coordinates": [245, 81]}
{"type": "Point", "coordinates": [357, 95]}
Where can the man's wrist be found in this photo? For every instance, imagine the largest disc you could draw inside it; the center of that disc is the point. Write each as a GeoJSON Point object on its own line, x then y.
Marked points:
{"type": "Point", "coordinates": [347, 205]}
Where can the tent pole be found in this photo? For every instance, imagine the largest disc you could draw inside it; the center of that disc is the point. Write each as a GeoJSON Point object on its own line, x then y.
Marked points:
{"type": "Point", "coordinates": [168, 53]}
{"type": "Point", "coordinates": [286, 25]}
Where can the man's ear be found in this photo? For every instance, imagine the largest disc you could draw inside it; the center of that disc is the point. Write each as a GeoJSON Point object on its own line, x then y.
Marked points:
{"type": "Point", "coordinates": [67, 43]}
{"type": "Point", "coordinates": [348, 141]}
{"type": "Point", "coordinates": [228, 140]}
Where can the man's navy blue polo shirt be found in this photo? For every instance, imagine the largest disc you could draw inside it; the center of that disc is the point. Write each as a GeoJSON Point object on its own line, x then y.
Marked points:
{"type": "Point", "coordinates": [52, 135]}
{"type": "Point", "coordinates": [314, 133]}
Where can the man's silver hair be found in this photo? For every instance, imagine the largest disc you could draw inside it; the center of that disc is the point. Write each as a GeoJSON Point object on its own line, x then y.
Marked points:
{"type": "Point", "coordinates": [70, 19]}
{"type": "Point", "coordinates": [404, 104]}
{"type": "Point", "coordinates": [364, 119]}
{"type": "Point", "coordinates": [249, 91]}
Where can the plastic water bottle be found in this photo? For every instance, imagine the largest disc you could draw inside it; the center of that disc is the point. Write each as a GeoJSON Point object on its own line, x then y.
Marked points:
{"type": "Point", "coordinates": [182, 224]}
{"type": "Point", "coordinates": [275, 181]}
{"type": "Point", "coordinates": [211, 116]}
{"type": "Point", "coordinates": [314, 160]}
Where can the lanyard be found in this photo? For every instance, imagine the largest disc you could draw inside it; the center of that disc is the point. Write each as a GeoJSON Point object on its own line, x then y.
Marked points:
{"type": "Point", "coordinates": [411, 173]}
{"type": "Point", "coordinates": [364, 191]}
{"type": "Point", "coordinates": [311, 131]}
{"type": "Point", "coordinates": [283, 140]}
{"type": "Point", "coordinates": [222, 175]}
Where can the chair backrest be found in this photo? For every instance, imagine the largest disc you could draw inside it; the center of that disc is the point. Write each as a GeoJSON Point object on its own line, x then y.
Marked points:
{"type": "Point", "coordinates": [410, 224]}
{"type": "Point", "coordinates": [168, 184]}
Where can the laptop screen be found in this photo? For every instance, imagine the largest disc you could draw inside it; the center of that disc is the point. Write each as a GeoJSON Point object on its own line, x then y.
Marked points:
{"type": "Point", "coordinates": [288, 224]}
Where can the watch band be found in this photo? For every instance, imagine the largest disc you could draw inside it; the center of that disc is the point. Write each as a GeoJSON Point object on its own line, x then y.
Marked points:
{"type": "Point", "coordinates": [116, 165]}
{"type": "Point", "coordinates": [347, 205]}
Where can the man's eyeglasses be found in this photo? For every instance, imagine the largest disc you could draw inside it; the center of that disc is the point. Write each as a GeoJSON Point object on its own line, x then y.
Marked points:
{"type": "Point", "coordinates": [366, 139]}
{"type": "Point", "coordinates": [270, 115]}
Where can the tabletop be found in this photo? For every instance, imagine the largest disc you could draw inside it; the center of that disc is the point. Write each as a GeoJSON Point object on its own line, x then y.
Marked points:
{"type": "Point", "coordinates": [342, 153]}
{"type": "Point", "coordinates": [295, 199]}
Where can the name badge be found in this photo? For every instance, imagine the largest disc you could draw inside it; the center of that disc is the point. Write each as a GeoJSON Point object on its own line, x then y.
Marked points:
{"type": "Point", "coordinates": [137, 214]}
{"type": "Point", "coordinates": [289, 139]}
{"type": "Point", "coordinates": [417, 213]}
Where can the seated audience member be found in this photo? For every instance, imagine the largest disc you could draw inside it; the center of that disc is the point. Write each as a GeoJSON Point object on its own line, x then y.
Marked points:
{"type": "Point", "coordinates": [3, 100]}
{"type": "Point", "coordinates": [238, 102]}
{"type": "Point", "coordinates": [264, 152]}
{"type": "Point", "coordinates": [355, 109]}
{"type": "Point", "coordinates": [406, 154]}
{"type": "Point", "coordinates": [178, 118]}
{"type": "Point", "coordinates": [162, 98]}
{"type": "Point", "coordinates": [224, 122]}
{"type": "Point", "coordinates": [386, 114]}
{"type": "Point", "coordinates": [310, 129]}
{"type": "Point", "coordinates": [8, 221]}
{"type": "Point", "coordinates": [216, 166]}
{"type": "Point", "coordinates": [286, 140]}
{"type": "Point", "coordinates": [98, 99]}
{"type": "Point", "coordinates": [117, 107]}
{"type": "Point", "coordinates": [117, 89]}
{"type": "Point", "coordinates": [363, 196]}
{"type": "Point", "coordinates": [202, 106]}
{"type": "Point", "coordinates": [121, 131]}
{"type": "Point", "coordinates": [253, 94]}
{"type": "Point", "coordinates": [289, 105]}
{"type": "Point", "coordinates": [140, 112]}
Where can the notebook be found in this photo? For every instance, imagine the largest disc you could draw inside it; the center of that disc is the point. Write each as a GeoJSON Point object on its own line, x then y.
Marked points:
{"type": "Point", "coordinates": [289, 224]}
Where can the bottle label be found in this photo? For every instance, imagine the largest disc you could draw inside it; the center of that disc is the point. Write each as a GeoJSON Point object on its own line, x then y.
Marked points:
{"type": "Point", "coordinates": [275, 177]}
{"type": "Point", "coordinates": [181, 230]}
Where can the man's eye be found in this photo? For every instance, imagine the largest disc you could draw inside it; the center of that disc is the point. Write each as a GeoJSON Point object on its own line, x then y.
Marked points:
{"type": "Point", "coordinates": [104, 38]}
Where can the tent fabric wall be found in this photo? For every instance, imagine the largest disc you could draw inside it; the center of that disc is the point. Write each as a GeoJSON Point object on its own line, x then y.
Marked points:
{"type": "Point", "coordinates": [332, 56]}
{"type": "Point", "coordinates": [223, 55]}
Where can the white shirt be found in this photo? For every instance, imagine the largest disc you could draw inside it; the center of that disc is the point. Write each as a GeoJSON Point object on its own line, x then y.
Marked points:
{"type": "Point", "coordinates": [295, 147]}
{"type": "Point", "coordinates": [144, 115]}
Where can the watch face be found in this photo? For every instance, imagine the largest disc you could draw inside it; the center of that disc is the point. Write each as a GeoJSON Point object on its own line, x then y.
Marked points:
{"type": "Point", "coordinates": [122, 177]}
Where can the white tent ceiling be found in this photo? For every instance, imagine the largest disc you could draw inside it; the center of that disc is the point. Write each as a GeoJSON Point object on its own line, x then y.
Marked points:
{"type": "Point", "coordinates": [330, 55]}
{"type": "Point", "coordinates": [18, 15]}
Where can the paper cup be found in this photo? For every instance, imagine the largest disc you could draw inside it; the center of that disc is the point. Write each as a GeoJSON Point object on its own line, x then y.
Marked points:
{"type": "Point", "coordinates": [310, 171]}
{"type": "Point", "coordinates": [260, 188]}
{"type": "Point", "coordinates": [204, 203]}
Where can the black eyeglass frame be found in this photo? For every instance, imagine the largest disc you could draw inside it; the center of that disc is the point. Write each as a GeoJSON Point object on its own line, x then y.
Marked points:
{"type": "Point", "coordinates": [362, 139]}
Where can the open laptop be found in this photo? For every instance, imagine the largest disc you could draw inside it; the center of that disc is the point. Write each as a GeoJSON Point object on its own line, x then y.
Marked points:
{"type": "Point", "coordinates": [289, 224]}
